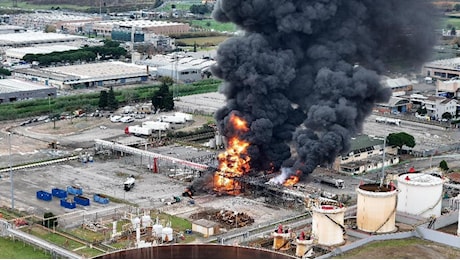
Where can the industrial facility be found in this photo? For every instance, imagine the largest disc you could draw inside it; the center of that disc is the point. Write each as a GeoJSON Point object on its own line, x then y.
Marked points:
{"type": "Point", "coordinates": [101, 74]}
{"type": "Point", "coordinates": [12, 90]}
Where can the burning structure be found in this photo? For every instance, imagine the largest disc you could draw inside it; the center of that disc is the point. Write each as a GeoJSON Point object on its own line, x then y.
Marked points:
{"type": "Point", "coordinates": [304, 75]}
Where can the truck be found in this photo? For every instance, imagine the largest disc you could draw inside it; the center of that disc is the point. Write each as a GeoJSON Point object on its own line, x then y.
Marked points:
{"type": "Point", "coordinates": [338, 183]}
{"type": "Point", "coordinates": [139, 130]}
{"type": "Point", "coordinates": [172, 119]}
{"type": "Point", "coordinates": [156, 126]}
{"type": "Point", "coordinates": [187, 117]}
{"type": "Point", "coordinates": [129, 183]}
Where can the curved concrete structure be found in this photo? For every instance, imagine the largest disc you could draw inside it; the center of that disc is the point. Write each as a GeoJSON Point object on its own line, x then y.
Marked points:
{"type": "Point", "coordinates": [195, 251]}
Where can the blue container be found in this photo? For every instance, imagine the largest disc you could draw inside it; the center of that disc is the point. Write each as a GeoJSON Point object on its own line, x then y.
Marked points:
{"type": "Point", "coordinates": [74, 190]}
{"type": "Point", "coordinates": [80, 200]}
{"type": "Point", "coordinates": [59, 193]}
{"type": "Point", "coordinates": [101, 199]}
{"type": "Point", "coordinates": [43, 195]}
{"type": "Point", "coordinates": [68, 204]}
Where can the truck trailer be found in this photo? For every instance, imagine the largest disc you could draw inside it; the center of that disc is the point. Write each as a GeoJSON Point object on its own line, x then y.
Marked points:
{"type": "Point", "coordinates": [139, 130]}
{"type": "Point", "coordinates": [338, 183]}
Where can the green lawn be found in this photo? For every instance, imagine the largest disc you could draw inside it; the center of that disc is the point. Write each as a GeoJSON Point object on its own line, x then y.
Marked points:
{"type": "Point", "coordinates": [25, 5]}
{"type": "Point", "coordinates": [55, 238]}
{"type": "Point", "coordinates": [200, 41]}
{"type": "Point", "coordinates": [180, 5]}
{"type": "Point", "coordinates": [214, 25]}
{"type": "Point", "coordinates": [17, 249]}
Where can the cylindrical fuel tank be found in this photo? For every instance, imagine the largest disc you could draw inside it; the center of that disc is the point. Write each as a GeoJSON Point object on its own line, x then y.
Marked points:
{"type": "Point", "coordinates": [376, 208]}
{"type": "Point", "coordinates": [420, 194]}
{"type": "Point", "coordinates": [327, 224]}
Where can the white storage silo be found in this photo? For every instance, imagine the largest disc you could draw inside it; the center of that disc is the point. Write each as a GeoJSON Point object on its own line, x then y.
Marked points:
{"type": "Point", "coordinates": [420, 194]}
{"type": "Point", "coordinates": [146, 221]}
{"type": "Point", "coordinates": [157, 229]}
{"type": "Point", "coordinates": [328, 224]}
{"type": "Point", "coordinates": [136, 222]}
{"type": "Point", "coordinates": [376, 208]}
{"type": "Point", "coordinates": [167, 234]}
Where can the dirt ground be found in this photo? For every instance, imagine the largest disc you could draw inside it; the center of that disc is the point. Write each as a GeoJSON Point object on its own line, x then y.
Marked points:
{"type": "Point", "coordinates": [413, 248]}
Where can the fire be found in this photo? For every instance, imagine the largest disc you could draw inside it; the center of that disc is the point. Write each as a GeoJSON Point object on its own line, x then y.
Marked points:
{"type": "Point", "coordinates": [238, 123]}
{"type": "Point", "coordinates": [234, 162]}
{"type": "Point", "coordinates": [293, 179]}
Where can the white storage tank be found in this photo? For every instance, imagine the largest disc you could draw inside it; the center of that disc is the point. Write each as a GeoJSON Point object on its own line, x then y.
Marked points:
{"type": "Point", "coordinates": [136, 222]}
{"type": "Point", "coordinates": [328, 224]}
{"type": "Point", "coordinates": [157, 229]}
{"type": "Point", "coordinates": [376, 208]}
{"type": "Point", "coordinates": [167, 234]}
{"type": "Point", "coordinates": [146, 221]}
{"type": "Point", "coordinates": [420, 194]}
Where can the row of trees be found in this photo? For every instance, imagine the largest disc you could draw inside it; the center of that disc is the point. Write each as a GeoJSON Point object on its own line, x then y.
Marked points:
{"type": "Point", "coordinates": [162, 98]}
{"type": "Point", "coordinates": [110, 50]}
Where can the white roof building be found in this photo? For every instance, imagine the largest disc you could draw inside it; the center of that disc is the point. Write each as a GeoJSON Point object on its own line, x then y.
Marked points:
{"type": "Point", "coordinates": [19, 53]}
{"type": "Point", "coordinates": [14, 90]}
{"type": "Point", "coordinates": [29, 38]}
{"type": "Point", "coordinates": [89, 75]}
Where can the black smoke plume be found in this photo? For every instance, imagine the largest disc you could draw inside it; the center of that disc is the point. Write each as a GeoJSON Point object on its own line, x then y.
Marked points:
{"type": "Point", "coordinates": [305, 73]}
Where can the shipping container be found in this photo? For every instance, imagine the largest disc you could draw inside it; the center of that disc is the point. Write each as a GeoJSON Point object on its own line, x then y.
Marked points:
{"type": "Point", "coordinates": [68, 204]}
{"type": "Point", "coordinates": [74, 190]}
{"type": "Point", "coordinates": [59, 193]}
{"type": "Point", "coordinates": [43, 195]}
{"type": "Point", "coordinates": [80, 200]}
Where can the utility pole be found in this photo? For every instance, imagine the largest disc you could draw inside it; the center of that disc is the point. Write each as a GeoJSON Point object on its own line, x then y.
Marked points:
{"type": "Point", "coordinates": [11, 171]}
{"type": "Point", "coordinates": [383, 161]}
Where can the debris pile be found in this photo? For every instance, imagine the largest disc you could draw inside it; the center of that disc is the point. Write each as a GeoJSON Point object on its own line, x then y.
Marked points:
{"type": "Point", "coordinates": [233, 219]}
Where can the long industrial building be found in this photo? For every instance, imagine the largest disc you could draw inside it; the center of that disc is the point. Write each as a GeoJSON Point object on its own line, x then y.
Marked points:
{"type": "Point", "coordinates": [86, 75]}
{"type": "Point", "coordinates": [12, 90]}
{"type": "Point", "coordinates": [25, 39]}
{"type": "Point", "coordinates": [442, 69]}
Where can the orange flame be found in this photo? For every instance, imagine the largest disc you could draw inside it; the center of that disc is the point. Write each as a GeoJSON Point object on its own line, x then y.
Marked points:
{"type": "Point", "coordinates": [293, 179]}
{"type": "Point", "coordinates": [238, 123]}
{"type": "Point", "coordinates": [234, 162]}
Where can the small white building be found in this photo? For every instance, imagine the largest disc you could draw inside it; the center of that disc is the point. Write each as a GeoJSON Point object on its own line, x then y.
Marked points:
{"type": "Point", "coordinates": [366, 154]}
{"type": "Point", "coordinates": [205, 227]}
{"type": "Point", "coordinates": [437, 106]}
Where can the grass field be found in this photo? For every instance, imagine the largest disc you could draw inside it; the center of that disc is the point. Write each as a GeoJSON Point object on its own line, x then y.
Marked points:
{"type": "Point", "coordinates": [10, 249]}
{"type": "Point", "coordinates": [411, 248]}
{"type": "Point", "coordinates": [203, 41]}
{"type": "Point", "coordinates": [24, 5]}
{"type": "Point", "coordinates": [214, 25]}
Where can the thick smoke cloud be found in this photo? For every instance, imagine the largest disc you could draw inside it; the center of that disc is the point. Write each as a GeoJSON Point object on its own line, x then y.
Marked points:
{"type": "Point", "coordinates": [305, 74]}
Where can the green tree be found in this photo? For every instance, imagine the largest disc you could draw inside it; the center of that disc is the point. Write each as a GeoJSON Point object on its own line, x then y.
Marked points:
{"type": "Point", "coordinates": [447, 115]}
{"type": "Point", "coordinates": [457, 7]}
{"type": "Point", "coordinates": [55, 117]}
{"type": "Point", "coordinates": [162, 98]}
{"type": "Point", "coordinates": [443, 165]}
{"type": "Point", "coordinates": [401, 139]}
{"type": "Point", "coordinates": [453, 32]}
{"type": "Point", "coordinates": [103, 99]}
{"type": "Point", "coordinates": [112, 102]}
{"type": "Point", "coordinates": [422, 111]}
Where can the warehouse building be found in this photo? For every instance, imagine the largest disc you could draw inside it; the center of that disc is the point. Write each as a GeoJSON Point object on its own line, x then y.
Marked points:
{"type": "Point", "coordinates": [12, 90]}
{"type": "Point", "coordinates": [442, 69]}
{"type": "Point", "coordinates": [105, 28]}
{"type": "Point", "coordinates": [180, 67]}
{"type": "Point", "coordinates": [365, 155]}
{"type": "Point", "coordinates": [102, 74]}
{"type": "Point", "coordinates": [25, 39]}
{"type": "Point", "coordinates": [40, 19]}
{"type": "Point", "coordinates": [16, 54]}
